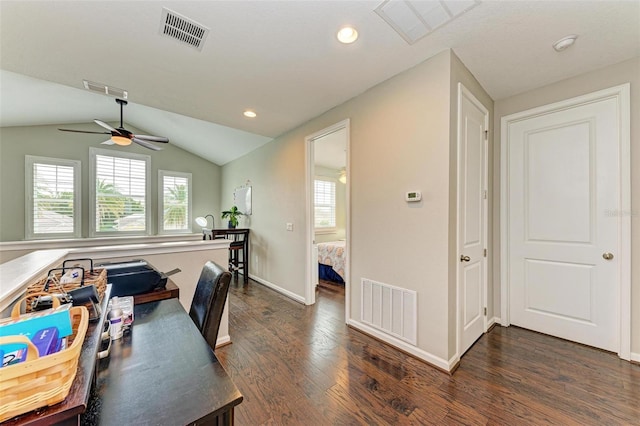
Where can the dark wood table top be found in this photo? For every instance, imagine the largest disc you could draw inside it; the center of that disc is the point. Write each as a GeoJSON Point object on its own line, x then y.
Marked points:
{"type": "Point", "coordinates": [163, 372]}
{"type": "Point", "coordinates": [222, 231]}
{"type": "Point", "coordinates": [170, 291]}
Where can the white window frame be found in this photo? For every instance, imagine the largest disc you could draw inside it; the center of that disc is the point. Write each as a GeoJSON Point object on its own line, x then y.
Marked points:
{"type": "Point", "coordinates": [93, 152]}
{"type": "Point", "coordinates": [333, 229]}
{"type": "Point", "coordinates": [161, 175]}
{"type": "Point", "coordinates": [30, 160]}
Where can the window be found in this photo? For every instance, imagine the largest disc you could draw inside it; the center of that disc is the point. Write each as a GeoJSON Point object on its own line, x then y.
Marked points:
{"type": "Point", "coordinates": [52, 198]}
{"type": "Point", "coordinates": [119, 193]}
{"type": "Point", "coordinates": [174, 202]}
{"type": "Point", "coordinates": [325, 204]}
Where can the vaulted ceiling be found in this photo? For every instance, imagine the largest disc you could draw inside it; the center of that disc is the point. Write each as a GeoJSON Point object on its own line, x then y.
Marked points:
{"type": "Point", "coordinates": [278, 58]}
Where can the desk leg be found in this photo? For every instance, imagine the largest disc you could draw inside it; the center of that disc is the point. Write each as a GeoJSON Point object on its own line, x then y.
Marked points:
{"type": "Point", "coordinates": [224, 418]}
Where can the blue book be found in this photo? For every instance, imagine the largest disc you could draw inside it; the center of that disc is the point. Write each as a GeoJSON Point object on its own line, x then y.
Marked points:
{"type": "Point", "coordinates": [46, 340]}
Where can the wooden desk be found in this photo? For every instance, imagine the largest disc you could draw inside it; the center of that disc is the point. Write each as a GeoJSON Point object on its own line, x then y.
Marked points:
{"type": "Point", "coordinates": [170, 291]}
{"type": "Point", "coordinates": [163, 373]}
{"type": "Point", "coordinates": [223, 232]}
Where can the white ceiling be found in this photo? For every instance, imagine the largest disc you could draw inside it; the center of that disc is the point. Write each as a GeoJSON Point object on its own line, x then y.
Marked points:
{"type": "Point", "coordinates": [279, 58]}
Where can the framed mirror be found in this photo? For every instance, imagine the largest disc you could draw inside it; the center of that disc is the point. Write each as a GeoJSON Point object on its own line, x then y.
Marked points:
{"type": "Point", "coordinates": [242, 199]}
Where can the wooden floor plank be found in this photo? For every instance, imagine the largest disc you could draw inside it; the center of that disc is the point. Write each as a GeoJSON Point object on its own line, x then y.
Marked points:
{"type": "Point", "coordinates": [301, 365]}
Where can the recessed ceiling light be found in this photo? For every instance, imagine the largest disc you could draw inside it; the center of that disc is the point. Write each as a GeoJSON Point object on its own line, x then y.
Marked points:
{"type": "Point", "coordinates": [347, 35]}
{"type": "Point", "coordinates": [564, 42]}
{"type": "Point", "coordinates": [250, 114]}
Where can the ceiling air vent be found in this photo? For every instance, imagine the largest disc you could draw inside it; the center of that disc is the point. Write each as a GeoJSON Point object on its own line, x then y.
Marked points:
{"type": "Point", "coordinates": [104, 89]}
{"type": "Point", "coordinates": [415, 19]}
{"type": "Point", "coordinates": [183, 29]}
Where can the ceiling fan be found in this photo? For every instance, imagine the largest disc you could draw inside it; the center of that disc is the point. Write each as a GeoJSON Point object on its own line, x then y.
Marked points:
{"type": "Point", "coordinates": [121, 136]}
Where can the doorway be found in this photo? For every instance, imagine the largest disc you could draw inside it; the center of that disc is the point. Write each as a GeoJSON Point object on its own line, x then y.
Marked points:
{"type": "Point", "coordinates": [328, 208]}
{"type": "Point", "coordinates": [565, 242]}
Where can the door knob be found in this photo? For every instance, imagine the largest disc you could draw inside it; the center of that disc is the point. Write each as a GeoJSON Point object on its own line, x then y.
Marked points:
{"type": "Point", "coordinates": [607, 256]}
{"type": "Point", "coordinates": [464, 258]}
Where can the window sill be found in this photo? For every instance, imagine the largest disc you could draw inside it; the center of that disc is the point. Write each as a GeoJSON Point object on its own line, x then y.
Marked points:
{"type": "Point", "coordinates": [95, 241]}
{"type": "Point", "coordinates": [326, 231]}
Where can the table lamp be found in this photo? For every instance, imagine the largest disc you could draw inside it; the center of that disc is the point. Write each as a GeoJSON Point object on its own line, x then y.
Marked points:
{"type": "Point", "coordinates": [203, 222]}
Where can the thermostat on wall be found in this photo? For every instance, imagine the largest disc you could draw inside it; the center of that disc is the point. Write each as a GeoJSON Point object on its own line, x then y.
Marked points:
{"type": "Point", "coordinates": [413, 196]}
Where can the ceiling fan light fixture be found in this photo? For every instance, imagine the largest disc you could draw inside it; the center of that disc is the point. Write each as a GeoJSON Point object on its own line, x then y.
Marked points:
{"type": "Point", "coordinates": [121, 140]}
{"type": "Point", "coordinates": [122, 136]}
{"type": "Point", "coordinates": [343, 176]}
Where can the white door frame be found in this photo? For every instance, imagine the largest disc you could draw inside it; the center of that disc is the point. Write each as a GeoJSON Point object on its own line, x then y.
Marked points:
{"type": "Point", "coordinates": [312, 261]}
{"type": "Point", "coordinates": [622, 95]}
{"type": "Point", "coordinates": [464, 92]}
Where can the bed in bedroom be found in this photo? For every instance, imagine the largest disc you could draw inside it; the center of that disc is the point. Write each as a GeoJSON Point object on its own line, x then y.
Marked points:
{"type": "Point", "coordinates": [331, 261]}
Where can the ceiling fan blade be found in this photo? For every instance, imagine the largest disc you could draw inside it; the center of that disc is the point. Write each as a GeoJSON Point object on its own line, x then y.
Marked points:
{"type": "Point", "coordinates": [108, 142]}
{"type": "Point", "coordinates": [160, 139]}
{"type": "Point", "coordinates": [105, 125]}
{"type": "Point", "coordinates": [85, 131]}
{"type": "Point", "coordinates": [146, 144]}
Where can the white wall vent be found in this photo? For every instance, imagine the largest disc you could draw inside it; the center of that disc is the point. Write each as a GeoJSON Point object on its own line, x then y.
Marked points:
{"type": "Point", "coordinates": [415, 19]}
{"type": "Point", "coordinates": [390, 309]}
{"type": "Point", "coordinates": [183, 29]}
{"type": "Point", "coordinates": [105, 90]}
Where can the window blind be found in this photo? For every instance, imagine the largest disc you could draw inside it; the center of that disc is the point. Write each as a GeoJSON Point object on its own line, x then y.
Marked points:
{"type": "Point", "coordinates": [120, 196]}
{"type": "Point", "coordinates": [324, 203]}
{"type": "Point", "coordinates": [175, 201]}
{"type": "Point", "coordinates": [53, 207]}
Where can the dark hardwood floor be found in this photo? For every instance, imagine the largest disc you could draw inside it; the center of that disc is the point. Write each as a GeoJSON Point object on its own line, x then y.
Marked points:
{"type": "Point", "coordinates": [302, 365]}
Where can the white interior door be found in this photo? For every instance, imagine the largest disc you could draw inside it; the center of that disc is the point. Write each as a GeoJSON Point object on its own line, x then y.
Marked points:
{"type": "Point", "coordinates": [473, 120]}
{"type": "Point", "coordinates": [563, 178]}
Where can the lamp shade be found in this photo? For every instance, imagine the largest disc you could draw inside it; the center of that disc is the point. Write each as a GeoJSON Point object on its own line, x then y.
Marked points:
{"type": "Point", "coordinates": [121, 140]}
{"type": "Point", "coordinates": [202, 221]}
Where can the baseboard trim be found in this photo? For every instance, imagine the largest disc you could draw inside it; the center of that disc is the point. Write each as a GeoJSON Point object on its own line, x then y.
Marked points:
{"type": "Point", "coordinates": [223, 341]}
{"type": "Point", "coordinates": [434, 361]}
{"type": "Point", "coordinates": [635, 357]}
{"type": "Point", "coordinates": [493, 321]}
{"type": "Point", "coordinates": [284, 292]}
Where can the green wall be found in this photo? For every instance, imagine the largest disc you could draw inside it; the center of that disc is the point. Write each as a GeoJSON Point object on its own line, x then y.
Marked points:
{"type": "Point", "coordinates": [47, 141]}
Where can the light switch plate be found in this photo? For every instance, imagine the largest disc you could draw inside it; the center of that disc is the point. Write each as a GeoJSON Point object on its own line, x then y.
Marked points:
{"type": "Point", "coordinates": [289, 226]}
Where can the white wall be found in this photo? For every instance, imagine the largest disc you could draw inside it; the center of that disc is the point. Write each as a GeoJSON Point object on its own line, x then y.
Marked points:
{"type": "Point", "coordinates": [624, 72]}
{"type": "Point", "coordinates": [400, 136]}
{"type": "Point", "coordinates": [403, 135]}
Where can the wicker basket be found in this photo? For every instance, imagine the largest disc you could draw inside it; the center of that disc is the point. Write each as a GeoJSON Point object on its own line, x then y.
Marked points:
{"type": "Point", "coordinates": [41, 381]}
{"type": "Point", "coordinates": [96, 277]}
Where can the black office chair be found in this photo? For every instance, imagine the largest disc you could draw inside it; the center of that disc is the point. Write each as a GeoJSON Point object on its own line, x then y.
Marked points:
{"type": "Point", "coordinates": [208, 301]}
